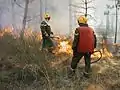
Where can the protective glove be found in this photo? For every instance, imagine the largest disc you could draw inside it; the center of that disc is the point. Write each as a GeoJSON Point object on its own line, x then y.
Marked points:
{"type": "Point", "coordinates": [52, 33]}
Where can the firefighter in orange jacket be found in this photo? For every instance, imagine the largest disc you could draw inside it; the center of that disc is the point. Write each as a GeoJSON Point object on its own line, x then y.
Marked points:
{"type": "Point", "coordinates": [83, 45]}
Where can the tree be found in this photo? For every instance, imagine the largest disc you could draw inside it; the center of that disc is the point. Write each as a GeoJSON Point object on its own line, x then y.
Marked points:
{"type": "Point", "coordinates": [80, 7]}
{"type": "Point", "coordinates": [84, 4]}
{"type": "Point", "coordinates": [25, 15]}
{"type": "Point", "coordinates": [13, 13]}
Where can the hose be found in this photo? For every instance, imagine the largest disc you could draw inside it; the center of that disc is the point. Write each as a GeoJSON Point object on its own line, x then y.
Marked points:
{"type": "Point", "coordinates": [98, 58]}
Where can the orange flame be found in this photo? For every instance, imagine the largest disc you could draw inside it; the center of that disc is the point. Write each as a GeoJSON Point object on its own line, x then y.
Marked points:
{"type": "Point", "coordinates": [65, 47]}
{"type": "Point", "coordinates": [105, 54]}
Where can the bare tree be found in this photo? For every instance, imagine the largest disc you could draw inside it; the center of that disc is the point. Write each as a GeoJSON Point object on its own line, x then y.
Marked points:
{"type": "Point", "coordinates": [80, 8]}
{"type": "Point", "coordinates": [25, 15]}
{"type": "Point", "coordinates": [13, 13]}
{"type": "Point", "coordinates": [86, 7]}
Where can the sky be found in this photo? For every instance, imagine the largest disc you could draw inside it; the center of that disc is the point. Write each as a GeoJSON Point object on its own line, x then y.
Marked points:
{"type": "Point", "coordinates": [59, 11]}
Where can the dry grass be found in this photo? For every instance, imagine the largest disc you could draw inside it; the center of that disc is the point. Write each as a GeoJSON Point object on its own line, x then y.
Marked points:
{"type": "Point", "coordinates": [23, 66]}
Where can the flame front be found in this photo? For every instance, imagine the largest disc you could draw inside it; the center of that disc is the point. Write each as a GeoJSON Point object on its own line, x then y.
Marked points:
{"type": "Point", "coordinates": [64, 44]}
{"type": "Point", "coordinates": [105, 54]}
{"type": "Point", "coordinates": [65, 47]}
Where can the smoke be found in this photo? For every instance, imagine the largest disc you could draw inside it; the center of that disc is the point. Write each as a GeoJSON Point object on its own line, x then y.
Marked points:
{"type": "Point", "coordinates": [4, 12]}
{"type": "Point", "coordinates": [59, 10]}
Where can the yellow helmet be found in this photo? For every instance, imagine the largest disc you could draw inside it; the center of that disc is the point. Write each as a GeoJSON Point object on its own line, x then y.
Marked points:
{"type": "Point", "coordinates": [47, 16]}
{"type": "Point", "coordinates": [82, 19]}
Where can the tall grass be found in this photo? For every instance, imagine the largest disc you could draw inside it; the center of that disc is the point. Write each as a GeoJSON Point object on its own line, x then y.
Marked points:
{"type": "Point", "coordinates": [23, 66]}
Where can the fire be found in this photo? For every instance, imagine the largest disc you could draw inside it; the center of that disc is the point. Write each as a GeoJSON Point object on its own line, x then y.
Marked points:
{"type": "Point", "coordinates": [8, 30]}
{"type": "Point", "coordinates": [28, 33]}
{"type": "Point", "coordinates": [105, 54]}
{"type": "Point", "coordinates": [64, 44]}
{"type": "Point", "coordinates": [65, 47]}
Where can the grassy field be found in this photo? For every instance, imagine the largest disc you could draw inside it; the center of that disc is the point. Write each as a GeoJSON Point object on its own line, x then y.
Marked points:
{"type": "Point", "coordinates": [23, 66]}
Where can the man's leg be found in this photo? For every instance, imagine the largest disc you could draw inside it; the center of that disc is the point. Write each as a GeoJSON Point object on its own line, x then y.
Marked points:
{"type": "Point", "coordinates": [43, 43]}
{"type": "Point", "coordinates": [87, 57]}
{"type": "Point", "coordinates": [76, 58]}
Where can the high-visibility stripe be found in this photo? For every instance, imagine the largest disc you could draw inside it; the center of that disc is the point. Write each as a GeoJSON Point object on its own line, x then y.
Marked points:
{"type": "Point", "coordinates": [76, 34]}
{"type": "Point", "coordinates": [43, 25]}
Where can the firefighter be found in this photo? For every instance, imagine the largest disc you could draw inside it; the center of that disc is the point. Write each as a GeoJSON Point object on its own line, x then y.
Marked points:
{"type": "Point", "coordinates": [83, 45]}
{"type": "Point", "coordinates": [47, 42]}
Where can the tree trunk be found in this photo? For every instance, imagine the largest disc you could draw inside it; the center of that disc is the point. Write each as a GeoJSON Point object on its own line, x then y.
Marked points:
{"type": "Point", "coordinates": [13, 13]}
{"type": "Point", "coordinates": [86, 8]}
{"type": "Point", "coordinates": [25, 16]}
{"type": "Point", "coordinates": [41, 10]}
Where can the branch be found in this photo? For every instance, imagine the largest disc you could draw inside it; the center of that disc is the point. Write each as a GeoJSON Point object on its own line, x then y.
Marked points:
{"type": "Point", "coordinates": [91, 17]}
{"type": "Point", "coordinates": [82, 7]}
{"type": "Point", "coordinates": [78, 11]}
{"type": "Point", "coordinates": [83, 13]}
{"type": "Point", "coordinates": [83, 1]}
{"type": "Point", "coordinates": [90, 1]}
{"type": "Point", "coordinates": [33, 17]}
{"type": "Point", "coordinates": [91, 7]}
{"type": "Point", "coordinates": [87, 1]}
{"type": "Point", "coordinates": [79, 3]}
{"type": "Point", "coordinates": [77, 6]}
{"type": "Point", "coordinates": [18, 4]}
{"type": "Point", "coordinates": [31, 1]}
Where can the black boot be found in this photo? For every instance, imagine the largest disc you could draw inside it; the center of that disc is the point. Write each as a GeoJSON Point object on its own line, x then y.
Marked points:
{"type": "Point", "coordinates": [71, 72]}
{"type": "Point", "coordinates": [87, 75]}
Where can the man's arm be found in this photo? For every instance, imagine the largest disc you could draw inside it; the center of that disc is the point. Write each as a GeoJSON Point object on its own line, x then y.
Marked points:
{"type": "Point", "coordinates": [49, 30]}
{"type": "Point", "coordinates": [45, 29]}
{"type": "Point", "coordinates": [76, 40]}
{"type": "Point", "coordinates": [95, 40]}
